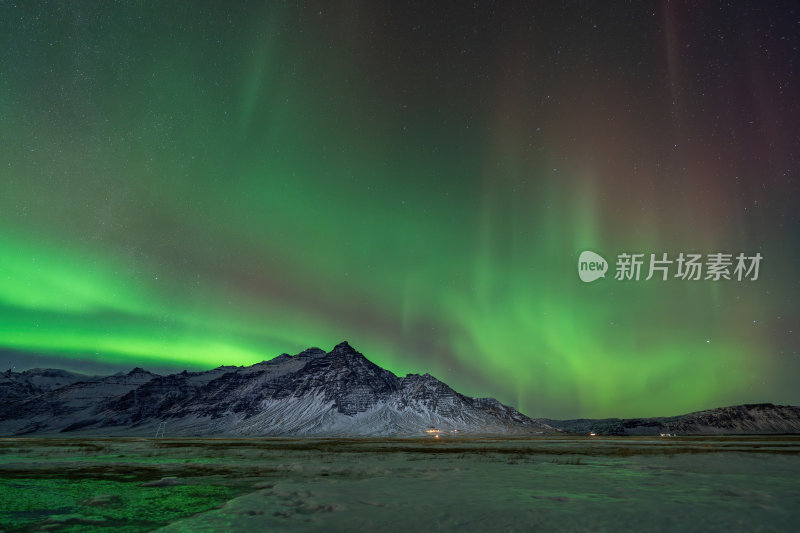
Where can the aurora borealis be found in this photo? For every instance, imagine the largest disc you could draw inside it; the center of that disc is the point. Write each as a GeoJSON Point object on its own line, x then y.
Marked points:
{"type": "Point", "coordinates": [187, 185]}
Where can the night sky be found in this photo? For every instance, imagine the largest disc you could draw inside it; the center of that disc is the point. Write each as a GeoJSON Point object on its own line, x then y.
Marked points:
{"type": "Point", "coordinates": [192, 184]}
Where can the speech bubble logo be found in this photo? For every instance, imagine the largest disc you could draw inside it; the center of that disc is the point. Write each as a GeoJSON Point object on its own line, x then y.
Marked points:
{"type": "Point", "coordinates": [591, 266]}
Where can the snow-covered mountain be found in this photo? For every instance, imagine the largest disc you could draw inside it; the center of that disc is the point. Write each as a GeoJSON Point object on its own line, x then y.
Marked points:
{"type": "Point", "coordinates": [21, 385]}
{"type": "Point", "coordinates": [314, 393]}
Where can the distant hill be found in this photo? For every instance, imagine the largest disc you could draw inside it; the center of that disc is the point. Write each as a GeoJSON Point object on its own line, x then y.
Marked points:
{"type": "Point", "coordinates": [762, 418]}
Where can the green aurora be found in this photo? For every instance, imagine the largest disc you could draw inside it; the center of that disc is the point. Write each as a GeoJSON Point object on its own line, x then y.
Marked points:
{"type": "Point", "coordinates": [200, 184]}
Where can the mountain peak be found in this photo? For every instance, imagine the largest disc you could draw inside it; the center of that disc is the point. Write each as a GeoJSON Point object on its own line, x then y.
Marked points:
{"type": "Point", "coordinates": [345, 347]}
{"type": "Point", "coordinates": [308, 353]}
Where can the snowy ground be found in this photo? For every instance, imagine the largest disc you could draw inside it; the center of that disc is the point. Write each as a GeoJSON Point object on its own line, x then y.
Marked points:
{"type": "Point", "coordinates": [551, 484]}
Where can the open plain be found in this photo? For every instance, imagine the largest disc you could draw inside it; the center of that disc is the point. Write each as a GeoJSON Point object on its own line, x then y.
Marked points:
{"type": "Point", "coordinates": [742, 483]}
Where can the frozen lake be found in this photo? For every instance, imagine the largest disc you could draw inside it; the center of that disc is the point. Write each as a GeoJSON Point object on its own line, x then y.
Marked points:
{"type": "Point", "coordinates": [551, 483]}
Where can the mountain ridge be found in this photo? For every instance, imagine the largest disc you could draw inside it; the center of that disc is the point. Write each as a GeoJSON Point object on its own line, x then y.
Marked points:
{"type": "Point", "coordinates": [314, 393]}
